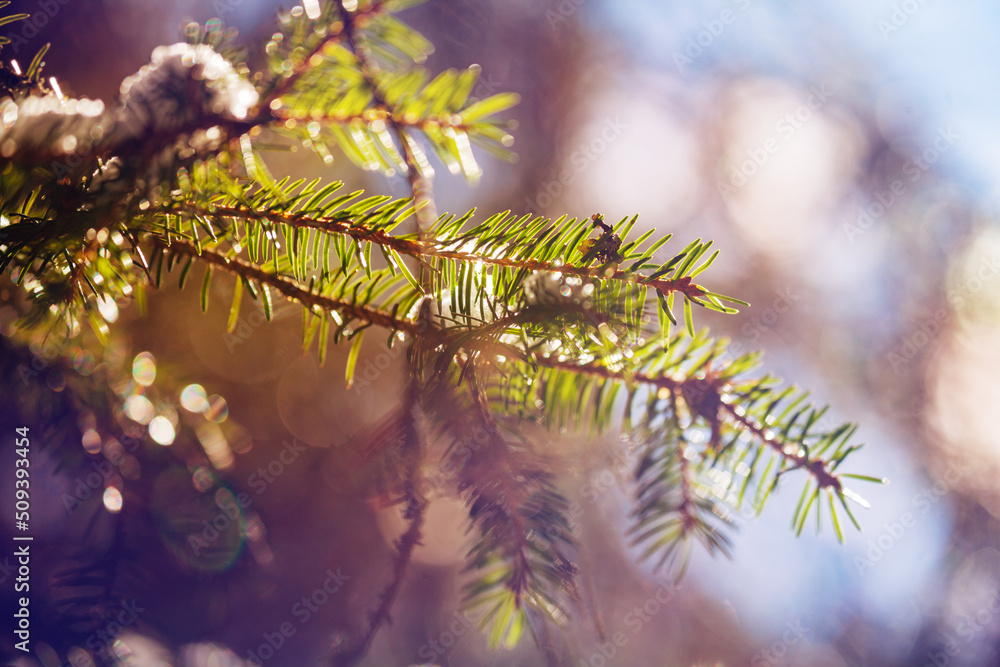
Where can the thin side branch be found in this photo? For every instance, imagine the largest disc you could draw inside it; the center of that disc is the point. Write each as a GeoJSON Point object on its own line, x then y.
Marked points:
{"type": "Point", "coordinates": [336, 34]}
{"type": "Point", "coordinates": [295, 291]}
{"type": "Point", "coordinates": [416, 504]}
{"type": "Point", "coordinates": [685, 509]}
{"type": "Point", "coordinates": [404, 552]}
{"type": "Point", "coordinates": [798, 457]}
{"type": "Point", "coordinates": [386, 114]}
{"type": "Point", "coordinates": [428, 248]}
{"type": "Point", "coordinates": [420, 184]}
{"type": "Point", "coordinates": [795, 456]}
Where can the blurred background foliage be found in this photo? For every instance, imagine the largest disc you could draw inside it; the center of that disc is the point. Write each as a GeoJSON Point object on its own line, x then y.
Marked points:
{"type": "Point", "coordinates": [843, 156]}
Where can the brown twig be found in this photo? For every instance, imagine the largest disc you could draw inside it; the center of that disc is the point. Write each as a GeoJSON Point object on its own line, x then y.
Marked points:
{"type": "Point", "coordinates": [291, 289]}
{"type": "Point", "coordinates": [384, 114]}
{"type": "Point", "coordinates": [427, 247]}
{"type": "Point", "coordinates": [337, 33]}
{"type": "Point", "coordinates": [420, 184]}
{"type": "Point", "coordinates": [687, 497]}
{"type": "Point", "coordinates": [797, 458]}
{"type": "Point", "coordinates": [412, 449]}
{"type": "Point", "coordinates": [405, 545]}
{"type": "Point", "coordinates": [824, 478]}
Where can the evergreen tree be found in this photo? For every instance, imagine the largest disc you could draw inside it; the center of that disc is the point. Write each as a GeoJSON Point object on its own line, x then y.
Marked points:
{"type": "Point", "coordinates": [508, 322]}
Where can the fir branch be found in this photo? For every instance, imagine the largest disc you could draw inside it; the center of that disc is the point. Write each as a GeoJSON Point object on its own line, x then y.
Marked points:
{"type": "Point", "coordinates": [404, 546]}
{"type": "Point", "coordinates": [436, 247]}
{"type": "Point", "coordinates": [292, 289]}
{"type": "Point", "coordinates": [382, 111]}
{"type": "Point", "coordinates": [332, 225]}
{"type": "Point", "coordinates": [520, 560]}
{"type": "Point", "coordinates": [790, 452]}
{"type": "Point", "coordinates": [337, 32]}
{"type": "Point", "coordinates": [517, 317]}
{"type": "Point", "coordinates": [419, 179]}
{"type": "Point", "coordinates": [672, 507]}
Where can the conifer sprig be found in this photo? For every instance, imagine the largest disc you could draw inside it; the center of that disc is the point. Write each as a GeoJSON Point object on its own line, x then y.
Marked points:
{"type": "Point", "coordinates": [509, 321]}
{"type": "Point", "coordinates": [521, 567]}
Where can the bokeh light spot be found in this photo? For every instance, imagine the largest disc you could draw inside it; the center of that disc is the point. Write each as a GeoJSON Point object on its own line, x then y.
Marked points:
{"type": "Point", "coordinates": [193, 398]}
{"type": "Point", "coordinates": [108, 308]}
{"type": "Point", "coordinates": [144, 368]}
{"type": "Point", "coordinates": [139, 409]}
{"type": "Point", "coordinates": [113, 500]}
{"type": "Point", "coordinates": [91, 441]}
{"type": "Point", "coordinates": [83, 362]}
{"type": "Point", "coordinates": [215, 445]}
{"type": "Point", "coordinates": [162, 431]}
{"type": "Point", "coordinates": [218, 409]}
{"type": "Point", "coordinates": [202, 479]}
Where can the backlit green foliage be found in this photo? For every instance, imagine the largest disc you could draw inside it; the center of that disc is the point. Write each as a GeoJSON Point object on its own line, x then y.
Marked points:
{"type": "Point", "coordinates": [509, 320]}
